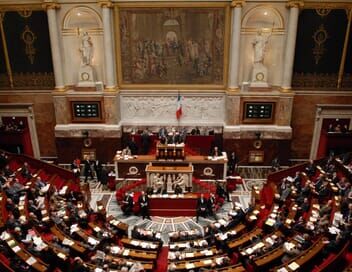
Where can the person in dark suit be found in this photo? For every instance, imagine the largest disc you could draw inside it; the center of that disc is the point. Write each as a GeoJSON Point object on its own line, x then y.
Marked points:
{"type": "Point", "coordinates": [25, 172]}
{"type": "Point", "coordinates": [98, 166]}
{"type": "Point", "coordinates": [195, 131]}
{"type": "Point", "coordinates": [133, 146]}
{"type": "Point", "coordinates": [145, 142]}
{"type": "Point", "coordinates": [233, 160]}
{"type": "Point", "coordinates": [143, 201]}
{"type": "Point", "coordinates": [212, 205]}
{"type": "Point", "coordinates": [202, 206]}
{"type": "Point", "coordinates": [311, 169]}
{"type": "Point", "coordinates": [87, 169]}
{"type": "Point", "coordinates": [127, 204]}
{"type": "Point", "coordinates": [215, 152]}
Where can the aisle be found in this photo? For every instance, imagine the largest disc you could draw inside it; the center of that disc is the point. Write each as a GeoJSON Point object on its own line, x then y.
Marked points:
{"type": "Point", "coordinates": [162, 262]}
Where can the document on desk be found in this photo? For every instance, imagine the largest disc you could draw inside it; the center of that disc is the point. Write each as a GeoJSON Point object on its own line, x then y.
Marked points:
{"type": "Point", "coordinates": [126, 252]}
{"type": "Point", "coordinates": [293, 266]}
{"type": "Point", "coordinates": [207, 262]}
{"type": "Point", "coordinates": [189, 265]}
{"type": "Point", "coordinates": [31, 261]}
{"type": "Point", "coordinates": [135, 243]}
{"type": "Point", "coordinates": [189, 255]}
{"type": "Point", "coordinates": [282, 270]}
{"type": "Point", "coordinates": [67, 242]}
{"type": "Point", "coordinates": [61, 255]}
{"type": "Point", "coordinates": [16, 249]}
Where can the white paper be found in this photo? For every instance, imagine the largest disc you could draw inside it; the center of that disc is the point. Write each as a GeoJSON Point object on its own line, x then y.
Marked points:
{"type": "Point", "coordinates": [16, 249]}
{"type": "Point", "coordinates": [293, 266]}
{"type": "Point", "coordinates": [31, 261]}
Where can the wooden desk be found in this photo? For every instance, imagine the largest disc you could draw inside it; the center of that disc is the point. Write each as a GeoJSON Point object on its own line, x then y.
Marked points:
{"type": "Point", "coordinates": [203, 167]}
{"type": "Point", "coordinates": [136, 254]}
{"type": "Point", "coordinates": [199, 254]}
{"type": "Point", "coordinates": [196, 264]}
{"type": "Point", "coordinates": [25, 256]}
{"type": "Point", "coordinates": [121, 226]}
{"type": "Point", "coordinates": [245, 238]}
{"type": "Point", "coordinates": [77, 246]}
{"type": "Point", "coordinates": [147, 265]}
{"type": "Point", "coordinates": [140, 244]}
{"type": "Point", "coordinates": [170, 151]}
{"type": "Point", "coordinates": [232, 268]}
{"type": "Point", "coordinates": [305, 256]}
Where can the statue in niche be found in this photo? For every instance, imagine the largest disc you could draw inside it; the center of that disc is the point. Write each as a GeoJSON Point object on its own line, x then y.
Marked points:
{"type": "Point", "coordinates": [86, 49]}
{"type": "Point", "coordinates": [260, 71]}
{"type": "Point", "coordinates": [86, 72]}
{"type": "Point", "coordinates": [259, 45]}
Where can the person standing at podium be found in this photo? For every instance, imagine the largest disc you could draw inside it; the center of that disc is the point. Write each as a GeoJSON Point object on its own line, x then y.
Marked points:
{"type": "Point", "coordinates": [143, 201]}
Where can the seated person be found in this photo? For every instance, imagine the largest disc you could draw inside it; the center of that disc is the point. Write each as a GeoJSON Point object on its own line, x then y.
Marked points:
{"type": "Point", "coordinates": [126, 151]}
{"type": "Point", "coordinates": [25, 172]}
{"type": "Point", "coordinates": [202, 206]}
{"type": "Point", "coordinates": [215, 152]}
{"type": "Point", "coordinates": [311, 169]}
{"type": "Point", "coordinates": [195, 131]}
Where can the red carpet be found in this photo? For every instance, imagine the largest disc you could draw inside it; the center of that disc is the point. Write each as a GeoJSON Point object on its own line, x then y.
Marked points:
{"type": "Point", "coordinates": [162, 262]}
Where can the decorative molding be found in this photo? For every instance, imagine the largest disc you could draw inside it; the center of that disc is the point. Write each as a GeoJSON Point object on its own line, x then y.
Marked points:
{"type": "Point", "coordinates": [95, 130]}
{"type": "Point", "coordinates": [105, 4]}
{"type": "Point", "coordinates": [267, 132]}
{"type": "Point", "coordinates": [237, 3]}
{"type": "Point", "coordinates": [50, 5]}
{"type": "Point", "coordinates": [295, 4]}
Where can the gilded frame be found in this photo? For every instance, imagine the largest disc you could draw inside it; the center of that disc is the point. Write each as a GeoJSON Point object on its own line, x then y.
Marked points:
{"type": "Point", "coordinates": [224, 5]}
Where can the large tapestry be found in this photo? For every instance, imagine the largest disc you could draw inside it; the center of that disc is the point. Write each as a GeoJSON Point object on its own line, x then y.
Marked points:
{"type": "Point", "coordinates": [319, 45]}
{"type": "Point", "coordinates": [28, 49]}
{"type": "Point", "coordinates": [172, 45]}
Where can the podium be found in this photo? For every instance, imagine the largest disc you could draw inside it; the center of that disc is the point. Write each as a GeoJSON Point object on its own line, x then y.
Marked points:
{"type": "Point", "coordinates": [170, 151]}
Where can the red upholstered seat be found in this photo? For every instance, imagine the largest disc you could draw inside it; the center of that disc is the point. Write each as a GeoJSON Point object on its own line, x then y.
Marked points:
{"type": "Point", "coordinates": [4, 260]}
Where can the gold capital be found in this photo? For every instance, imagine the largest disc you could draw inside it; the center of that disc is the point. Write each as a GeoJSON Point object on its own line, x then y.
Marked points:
{"type": "Point", "coordinates": [50, 5]}
{"type": "Point", "coordinates": [295, 4]}
{"type": "Point", "coordinates": [105, 4]}
{"type": "Point", "coordinates": [237, 3]}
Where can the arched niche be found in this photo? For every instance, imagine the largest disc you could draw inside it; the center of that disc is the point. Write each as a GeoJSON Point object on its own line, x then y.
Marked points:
{"type": "Point", "coordinates": [263, 17]}
{"type": "Point", "coordinates": [80, 19]}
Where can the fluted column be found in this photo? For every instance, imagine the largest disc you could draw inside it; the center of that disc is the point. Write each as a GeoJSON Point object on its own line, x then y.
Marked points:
{"type": "Point", "coordinates": [108, 45]}
{"type": "Point", "coordinates": [235, 43]}
{"type": "Point", "coordinates": [51, 8]}
{"type": "Point", "coordinates": [290, 43]}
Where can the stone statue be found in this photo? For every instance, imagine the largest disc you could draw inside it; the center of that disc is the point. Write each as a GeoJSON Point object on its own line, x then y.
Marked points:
{"type": "Point", "coordinates": [158, 183]}
{"type": "Point", "coordinates": [260, 71]}
{"type": "Point", "coordinates": [259, 45]}
{"type": "Point", "coordinates": [180, 181]}
{"type": "Point", "coordinates": [86, 49]}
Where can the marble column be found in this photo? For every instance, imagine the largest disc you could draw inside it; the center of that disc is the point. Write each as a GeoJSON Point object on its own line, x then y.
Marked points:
{"type": "Point", "coordinates": [290, 43]}
{"type": "Point", "coordinates": [108, 45]}
{"type": "Point", "coordinates": [51, 8]}
{"type": "Point", "coordinates": [235, 43]}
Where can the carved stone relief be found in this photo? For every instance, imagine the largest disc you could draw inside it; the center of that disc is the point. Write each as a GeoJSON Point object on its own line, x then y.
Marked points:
{"type": "Point", "coordinates": [198, 109]}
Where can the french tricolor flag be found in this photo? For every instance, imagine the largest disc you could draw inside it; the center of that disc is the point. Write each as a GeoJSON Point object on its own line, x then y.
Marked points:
{"type": "Point", "coordinates": [179, 107]}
